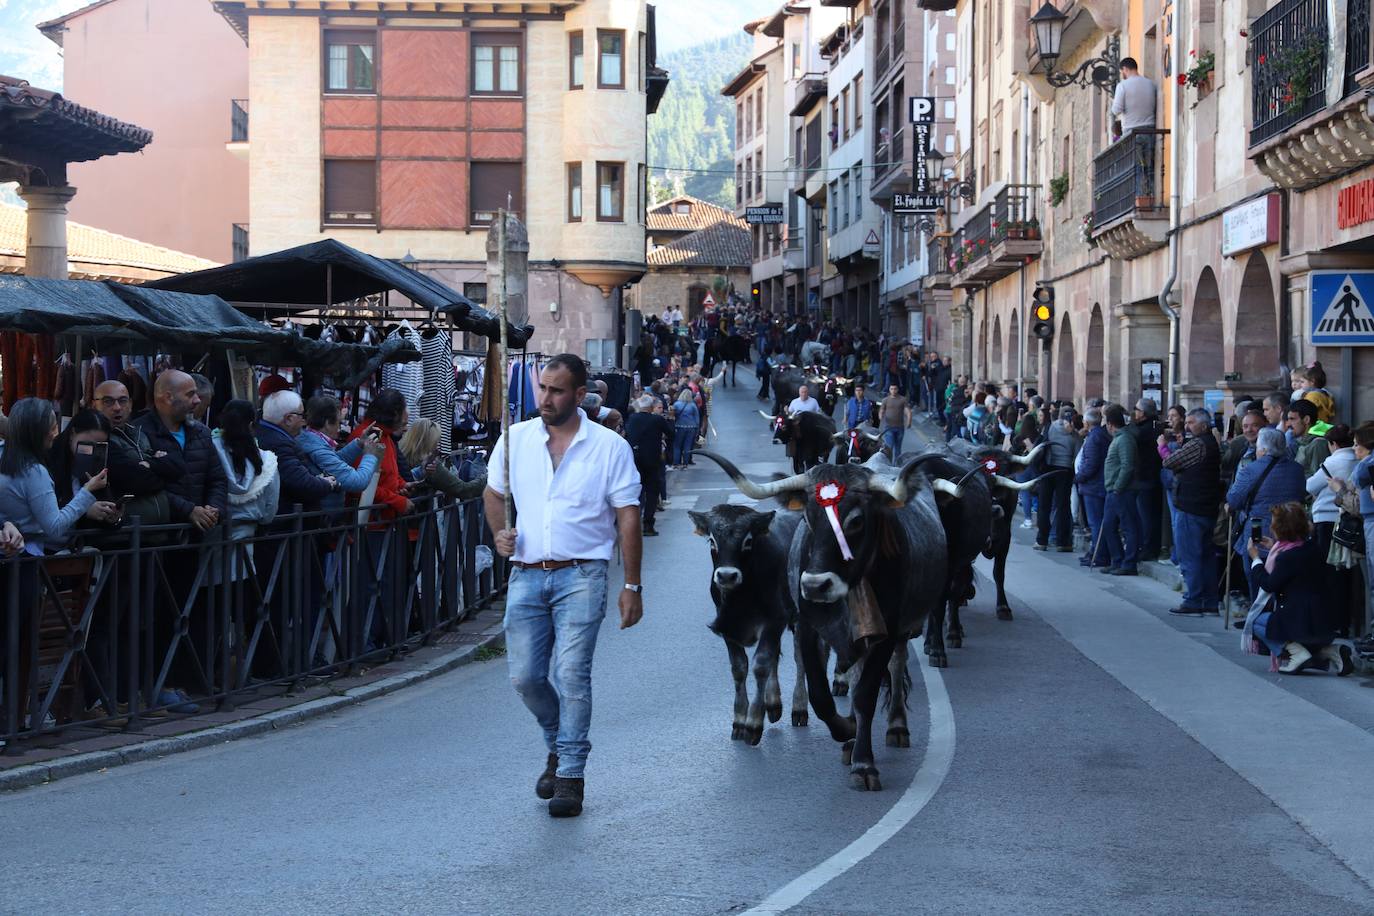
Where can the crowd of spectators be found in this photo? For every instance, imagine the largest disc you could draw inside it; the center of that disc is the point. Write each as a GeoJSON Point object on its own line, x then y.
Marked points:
{"type": "Point", "coordinates": [1277, 502]}
{"type": "Point", "coordinates": [234, 476]}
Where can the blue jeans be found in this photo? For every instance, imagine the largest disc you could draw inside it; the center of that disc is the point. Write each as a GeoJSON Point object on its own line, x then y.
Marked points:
{"type": "Point", "coordinates": [892, 438]}
{"type": "Point", "coordinates": [1173, 526]}
{"type": "Point", "coordinates": [1094, 505]}
{"type": "Point", "coordinates": [555, 616]}
{"type": "Point", "coordinates": [1261, 629]}
{"type": "Point", "coordinates": [1030, 499]}
{"type": "Point", "coordinates": [1197, 558]}
{"type": "Point", "coordinates": [1120, 531]}
{"type": "Point", "coordinates": [1147, 522]}
{"type": "Point", "coordinates": [683, 440]}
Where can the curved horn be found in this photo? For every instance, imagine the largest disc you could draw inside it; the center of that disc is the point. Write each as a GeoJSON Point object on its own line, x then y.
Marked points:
{"type": "Point", "coordinates": [944, 486]}
{"type": "Point", "coordinates": [1029, 457]}
{"type": "Point", "coordinates": [757, 490]}
{"type": "Point", "coordinates": [872, 437]}
{"type": "Point", "coordinates": [1009, 484]}
{"type": "Point", "coordinates": [841, 436]}
{"type": "Point", "coordinates": [767, 416]}
{"type": "Point", "coordinates": [900, 489]}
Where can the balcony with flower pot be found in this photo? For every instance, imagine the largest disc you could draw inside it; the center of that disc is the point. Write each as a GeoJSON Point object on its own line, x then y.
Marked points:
{"type": "Point", "coordinates": [939, 261]}
{"type": "Point", "coordinates": [998, 239]}
{"type": "Point", "coordinates": [1307, 128]}
{"type": "Point", "coordinates": [1130, 207]}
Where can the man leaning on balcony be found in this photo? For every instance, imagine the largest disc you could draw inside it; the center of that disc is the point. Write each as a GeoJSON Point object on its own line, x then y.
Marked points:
{"type": "Point", "coordinates": [1134, 107]}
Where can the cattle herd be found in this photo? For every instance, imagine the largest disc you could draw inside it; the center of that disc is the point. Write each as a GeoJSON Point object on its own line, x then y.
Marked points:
{"type": "Point", "coordinates": [859, 557]}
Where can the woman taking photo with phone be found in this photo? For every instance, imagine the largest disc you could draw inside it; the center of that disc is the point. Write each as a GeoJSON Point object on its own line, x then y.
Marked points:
{"type": "Point", "coordinates": [78, 453]}
{"type": "Point", "coordinates": [27, 495]}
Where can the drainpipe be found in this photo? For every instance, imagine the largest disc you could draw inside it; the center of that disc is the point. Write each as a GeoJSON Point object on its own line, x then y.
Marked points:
{"type": "Point", "coordinates": [1175, 218]}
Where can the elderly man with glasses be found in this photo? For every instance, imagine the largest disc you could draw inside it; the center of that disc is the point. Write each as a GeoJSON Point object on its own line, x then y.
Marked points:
{"type": "Point", "coordinates": [283, 418]}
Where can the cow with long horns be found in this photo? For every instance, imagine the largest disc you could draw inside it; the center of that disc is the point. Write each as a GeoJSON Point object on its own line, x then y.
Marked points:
{"type": "Point", "coordinates": [998, 464]}
{"type": "Point", "coordinates": [809, 437]}
{"type": "Point", "coordinates": [858, 521]}
{"type": "Point", "coordinates": [856, 445]}
{"type": "Point", "coordinates": [753, 606]}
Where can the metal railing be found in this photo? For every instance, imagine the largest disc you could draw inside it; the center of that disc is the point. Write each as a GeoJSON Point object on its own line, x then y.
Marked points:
{"type": "Point", "coordinates": [95, 636]}
{"type": "Point", "coordinates": [1356, 44]}
{"type": "Point", "coordinates": [882, 59]}
{"type": "Point", "coordinates": [1288, 66]}
{"type": "Point", "coordinates": [238, 120]}
{"type": "Point", "coordinates": [1128, 172]}
{"type": "Point", "coordinates": [239, 244]}
{"type": "Point", "coordinates": [1013, 209]}
{"type": "Point", "coordinates": [937, 256]}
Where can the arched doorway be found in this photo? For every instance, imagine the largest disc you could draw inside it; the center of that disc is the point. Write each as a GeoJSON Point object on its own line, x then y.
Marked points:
{"type": "Point", "coordinates": [996, 370]}
{"type": "Point", "coordinates": [1064, 363]}
{"type": "Point", "coordinates": [1014, 368]}
{"type": "Point", "coordinates": [1206, 352]}
{"type": "Point", "coordinates": [1256, 339]}
{"type": "Point", "coordinates": [1095, 357]}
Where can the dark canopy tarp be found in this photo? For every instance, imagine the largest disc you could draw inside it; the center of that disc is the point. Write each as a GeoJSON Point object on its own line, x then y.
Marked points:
{"type": "Point", "coordinates": [121, 318]}
{"type": "Point", "coordinates": [302, 278]}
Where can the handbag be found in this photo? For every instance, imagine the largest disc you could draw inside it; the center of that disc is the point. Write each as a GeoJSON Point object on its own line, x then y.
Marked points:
{"type": "Point", "coordinates": [1243, 515]}
{"type": "Point", "coordinates": [1349, 533]}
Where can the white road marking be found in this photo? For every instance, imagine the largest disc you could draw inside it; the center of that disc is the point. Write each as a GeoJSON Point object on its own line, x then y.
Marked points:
{"type": "Point", "coordinates": [927, 781]}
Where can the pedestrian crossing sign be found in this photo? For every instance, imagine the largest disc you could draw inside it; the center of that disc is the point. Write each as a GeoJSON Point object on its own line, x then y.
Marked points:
{"type": "Point", "coordinates": [1340, 308]}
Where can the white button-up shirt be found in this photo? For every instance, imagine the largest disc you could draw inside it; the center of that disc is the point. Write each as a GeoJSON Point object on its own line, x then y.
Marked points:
{"type": "Point", "coordinates": [567, 514]}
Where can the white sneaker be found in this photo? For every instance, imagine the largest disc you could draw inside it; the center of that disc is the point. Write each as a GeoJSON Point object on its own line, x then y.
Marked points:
{"type": "Point", "coordinates": [1297, 657]}
{"type": "Point", "coordinates": [1028, 523]}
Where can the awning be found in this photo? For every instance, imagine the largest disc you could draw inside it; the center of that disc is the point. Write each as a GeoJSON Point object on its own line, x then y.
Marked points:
{"type": "Point", "coordinates": [129, 319]}
{"type": "Point", "coordinates": [328, 272]}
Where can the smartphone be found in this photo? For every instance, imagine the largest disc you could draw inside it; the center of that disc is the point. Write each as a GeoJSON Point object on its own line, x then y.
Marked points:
{"type": "Point", "coordinates": [91, 459]}
{"type": "Point", "coordinates": [1256, 530]}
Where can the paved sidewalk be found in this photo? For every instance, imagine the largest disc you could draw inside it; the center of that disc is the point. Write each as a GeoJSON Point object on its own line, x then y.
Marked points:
{"type": "Point", "coordinates": [87, 749]}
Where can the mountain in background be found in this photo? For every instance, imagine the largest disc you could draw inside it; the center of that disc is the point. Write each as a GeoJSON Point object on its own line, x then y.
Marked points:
{"type": "Point", "coordinates": [684, 23]}
{"type": "Point", "coordinates": [692, 137]}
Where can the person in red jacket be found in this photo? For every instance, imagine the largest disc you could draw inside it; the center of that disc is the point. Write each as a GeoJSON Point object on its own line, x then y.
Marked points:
{"type": "Point", "coordinates": [388, 417]}
{"type": "Point", "coordinates": [387, 414]}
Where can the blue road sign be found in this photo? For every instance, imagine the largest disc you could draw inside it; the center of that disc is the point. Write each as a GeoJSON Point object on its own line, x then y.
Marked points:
{"type": "Point", "coordinates": [1341, 315]}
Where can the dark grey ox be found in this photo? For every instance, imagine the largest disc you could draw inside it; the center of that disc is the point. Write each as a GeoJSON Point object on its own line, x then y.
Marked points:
{"type": "Point", "coordinates": [857, 445]}
{"type": "Point", "coordinates": [787, 382]}
{"type": "Point", "coordinates": [1006, 493]}
{"type": "Point", "coordinates": [890, 523]}
{"type": "Point", "coordinates": [809, 437]}
{"type": "Point", "coordinates": [753, 607]}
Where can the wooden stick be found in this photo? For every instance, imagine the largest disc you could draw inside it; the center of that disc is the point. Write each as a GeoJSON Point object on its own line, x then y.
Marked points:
{"type": "Point", "coordinates": [504, 381]}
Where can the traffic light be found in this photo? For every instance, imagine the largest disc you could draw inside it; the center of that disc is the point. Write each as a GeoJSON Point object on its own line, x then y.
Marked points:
{"type": "Point", "coordinates": [1042, 312]}
{"type": "Point", "coordinates": [756, 295]}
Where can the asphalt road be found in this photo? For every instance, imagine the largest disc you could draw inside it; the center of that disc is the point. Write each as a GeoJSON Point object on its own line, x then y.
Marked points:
{"type": "Point", "coordinates": [1102, 760]}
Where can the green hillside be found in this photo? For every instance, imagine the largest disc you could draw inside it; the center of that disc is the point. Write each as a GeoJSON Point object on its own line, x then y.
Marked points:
{"type": "Point", "coordinates": [695, 126]}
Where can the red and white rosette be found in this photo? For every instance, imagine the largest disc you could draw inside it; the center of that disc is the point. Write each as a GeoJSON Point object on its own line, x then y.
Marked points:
{"type": "Point", "coordinates": [828, 496]}
{"type": "Point", "coordinates": [991, 467]}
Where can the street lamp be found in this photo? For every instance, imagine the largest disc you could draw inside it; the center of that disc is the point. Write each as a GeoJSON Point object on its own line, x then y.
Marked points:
{"type": "Point", "coordinates": [410, 262]}
{"type": "Point", "coordinates": [1102, 72]}
{"type": "Point", "coordinates": [935, 164]}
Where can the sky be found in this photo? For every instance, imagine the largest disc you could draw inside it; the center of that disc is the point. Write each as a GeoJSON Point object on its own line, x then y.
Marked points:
{"type": "Point", "coordinates": [683, 23]}
{"type": "Point", "coordinates": [28, 55]}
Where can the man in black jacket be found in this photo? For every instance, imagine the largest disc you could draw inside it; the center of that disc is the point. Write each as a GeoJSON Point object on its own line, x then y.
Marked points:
{"type": "Point", "coordinates": [200, 492]}
{"type": "Point", "coordinates": [649, 434]}
{"type": "Point", "coordinates": [283, 418]}
{"type": "Point", "coordinates": [1147, 489]}
{"type": "Point", "coordinates": [1196, 467]}
{"type": "Point", "coordinates": [136, 470]}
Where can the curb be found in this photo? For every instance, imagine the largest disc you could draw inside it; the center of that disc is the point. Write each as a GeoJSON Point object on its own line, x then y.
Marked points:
{"type": "Point", "coordinates": [23, 777]}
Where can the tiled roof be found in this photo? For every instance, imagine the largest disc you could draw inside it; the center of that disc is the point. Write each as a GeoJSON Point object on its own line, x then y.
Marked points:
{"type": "Point", "coordinates": [54, 28]}
{"type": "Point", "coordinates": [725, 245]}
{"type": "Point", "coordinates": [665, 218]}
{"type": "Point", "coordinates": [89, 250]}
{"type": "Point", "coordinates": [46, 120]}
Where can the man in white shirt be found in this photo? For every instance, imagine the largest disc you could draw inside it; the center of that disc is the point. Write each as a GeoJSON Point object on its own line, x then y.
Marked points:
{"type": "Point", "coordinates": [1135, 99]}
{"type": "Point", "coordinates": [803, 402]}
{"type": "Point", "coordinates": [575, 485]}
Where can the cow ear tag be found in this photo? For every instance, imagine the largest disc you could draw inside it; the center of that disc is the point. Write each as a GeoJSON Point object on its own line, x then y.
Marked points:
{"type": "Point", "coordinates": [828, 496]}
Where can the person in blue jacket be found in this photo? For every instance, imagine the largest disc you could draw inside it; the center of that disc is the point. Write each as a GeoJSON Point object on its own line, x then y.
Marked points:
{"type": "Point", "coordinates": [1271, 479]}
{"type": "Point", "coordinates": [1088, 477]}
{"type": "Point", "coordinates": [319, 443]}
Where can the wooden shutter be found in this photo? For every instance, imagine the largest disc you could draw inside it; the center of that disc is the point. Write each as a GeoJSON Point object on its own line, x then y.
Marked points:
{"type": "Point", "coordinates": [491, 182]}
{"type": "Point", "coordinates": [350, 191]}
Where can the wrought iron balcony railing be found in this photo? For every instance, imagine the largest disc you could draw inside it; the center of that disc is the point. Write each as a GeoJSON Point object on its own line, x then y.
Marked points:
{"type": "Point", "coordinates": [238, 120]}
{"type": "Point", "coordinates": [1288, 63]}
{"type": "Point", "coordinates": [1129, 176]}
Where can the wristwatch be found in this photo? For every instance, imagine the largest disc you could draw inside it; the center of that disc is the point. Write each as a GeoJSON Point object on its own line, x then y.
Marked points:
{"type": "Point", "coordinates": [637, 589]}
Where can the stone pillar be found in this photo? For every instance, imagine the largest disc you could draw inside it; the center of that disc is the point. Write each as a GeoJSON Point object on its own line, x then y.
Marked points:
{"type": "Point", "coordinates": [1144, 336]}
{"type": "Point", "coordinates": [46, 252]}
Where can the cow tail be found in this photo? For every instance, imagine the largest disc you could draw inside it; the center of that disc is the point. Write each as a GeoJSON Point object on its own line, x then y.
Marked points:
{"type": "Point", "coordinates": [887, 689]}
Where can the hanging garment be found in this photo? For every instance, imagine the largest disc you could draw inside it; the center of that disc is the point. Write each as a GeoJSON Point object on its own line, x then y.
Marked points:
{"type": "Point", "coordinates": [436, 399]}
{"type": "Point", "coordinates": [407, 378]}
